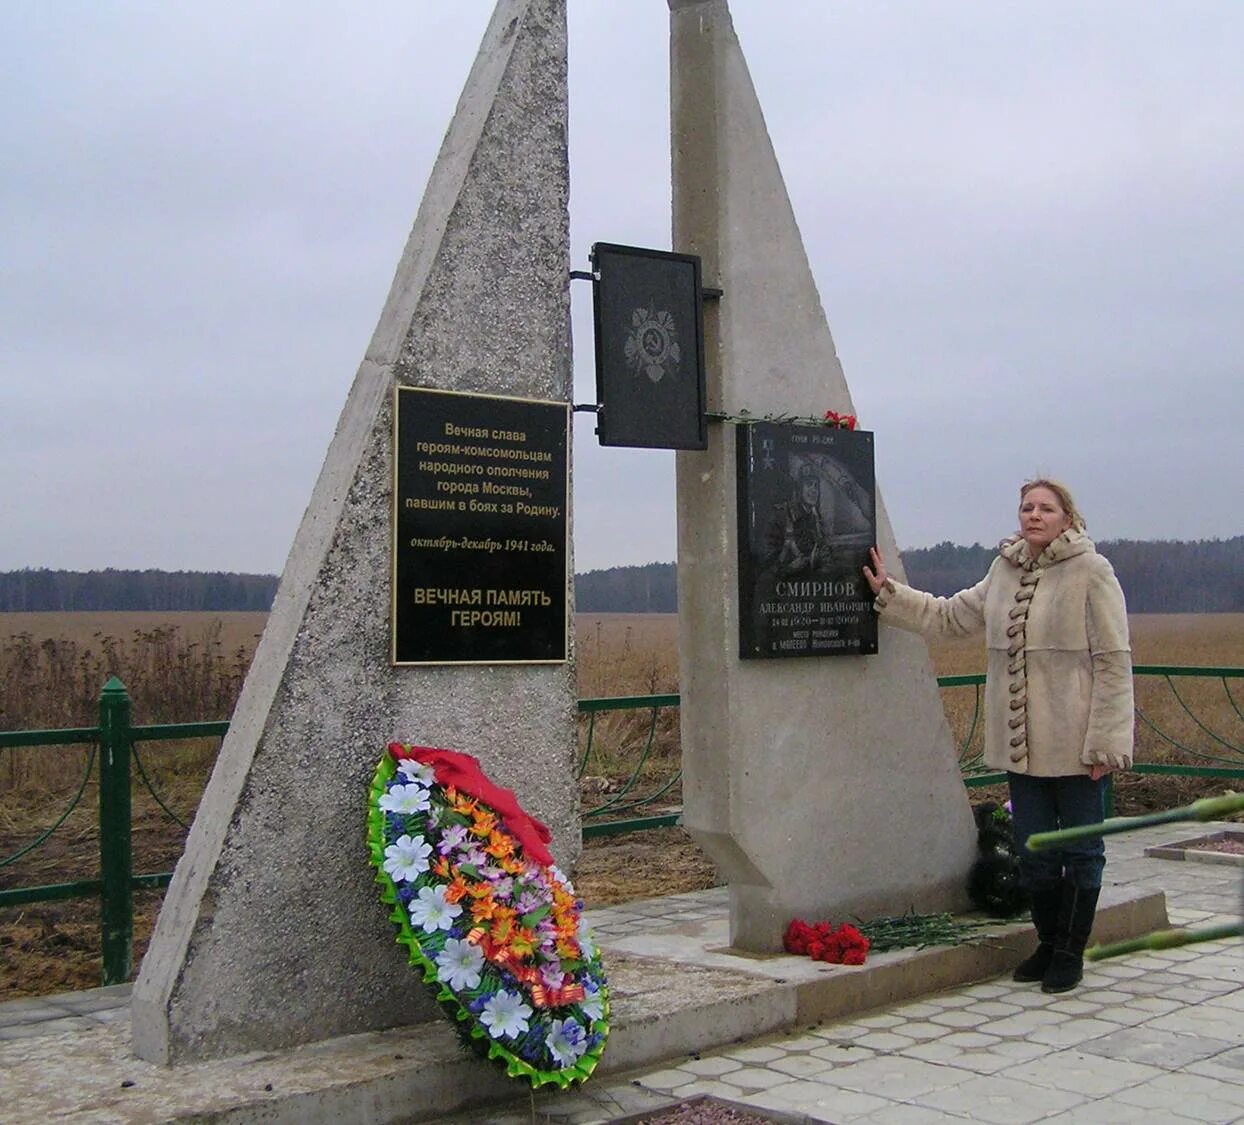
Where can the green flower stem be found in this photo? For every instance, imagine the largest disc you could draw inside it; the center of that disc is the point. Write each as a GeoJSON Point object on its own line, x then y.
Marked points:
{"type": "Point", "coordinates": [1165, 939]}
{"type": "Point", "coordinates": [918, 930]}
{"type": "Point", "coordinates": [1208, 808]}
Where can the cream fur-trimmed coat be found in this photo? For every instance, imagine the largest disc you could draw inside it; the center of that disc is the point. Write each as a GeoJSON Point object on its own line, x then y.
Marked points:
{"type": "Point", "coordinates": [1058, 685]}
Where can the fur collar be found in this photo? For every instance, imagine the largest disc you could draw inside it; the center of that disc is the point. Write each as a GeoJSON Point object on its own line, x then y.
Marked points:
{"type": "Point", "coordinates": [1069, 544]}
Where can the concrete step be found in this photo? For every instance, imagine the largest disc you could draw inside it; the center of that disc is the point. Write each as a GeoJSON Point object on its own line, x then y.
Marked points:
{"type": "Point", "coordinates": [676, 989]}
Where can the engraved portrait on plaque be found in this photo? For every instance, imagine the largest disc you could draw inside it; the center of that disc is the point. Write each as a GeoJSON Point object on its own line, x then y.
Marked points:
{"type": "Point", "coordinates": [807, 516]}
{"type": "Point", "coordinates": [479, 529]}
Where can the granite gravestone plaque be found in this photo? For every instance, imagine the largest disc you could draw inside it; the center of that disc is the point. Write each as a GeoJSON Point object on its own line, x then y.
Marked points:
{"type": "Point", "coordinates": [480, 529]}
{"type": "Point", "coordinates": [649, 348]}
{"type": "Point", "coordinates": [807, 516]}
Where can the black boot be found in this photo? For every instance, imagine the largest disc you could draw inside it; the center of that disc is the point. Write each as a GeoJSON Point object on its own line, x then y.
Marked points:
{"type": "Point", "coordinates": [1046, 903]}
{"type": "Point", "coordinates": [1067, 966]}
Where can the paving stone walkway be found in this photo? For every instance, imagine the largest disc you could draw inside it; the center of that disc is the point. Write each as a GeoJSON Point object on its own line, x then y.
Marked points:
{"type": "Point", "coordinates": [1147, 1038]}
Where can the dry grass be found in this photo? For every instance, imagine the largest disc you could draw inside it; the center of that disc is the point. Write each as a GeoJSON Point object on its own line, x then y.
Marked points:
{"type": "Point", "coordinates": [626, 654]}
{"type": "Point", "coordinates": [190, 666]}
{"type": "Point", "coordinates": [178, 668]}
{"type": "Point", "coordinates": [636, 654]}
{"type": "Point", "coordinates": [187, 667]}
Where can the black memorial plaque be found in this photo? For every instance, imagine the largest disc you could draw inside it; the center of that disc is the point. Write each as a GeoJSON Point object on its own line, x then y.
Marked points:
{"type": "Point", "coordinates": [649, 348]}
{"type": "Point", "coordinates": [479, 525]}
{"type": "Point", "coordinates": [807, 516]}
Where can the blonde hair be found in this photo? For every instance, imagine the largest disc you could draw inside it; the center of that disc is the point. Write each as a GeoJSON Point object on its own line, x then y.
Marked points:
{"type": "Point", "coordinates": [1063, 495]}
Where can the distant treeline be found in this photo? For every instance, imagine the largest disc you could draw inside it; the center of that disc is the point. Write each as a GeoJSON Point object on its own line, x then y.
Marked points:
{"type": "Point", "coordinates": [628, 589]}
{"type": "Point", "coordinates": [160, 590]}
{"type": "Point", "coordinates": [1206, 576]}
{"type": "Point", "coordinates": [1158, 576]}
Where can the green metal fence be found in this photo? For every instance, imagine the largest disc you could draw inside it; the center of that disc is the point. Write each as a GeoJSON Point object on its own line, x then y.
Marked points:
{"type": "Point", "coordinates": [626, 805]}
{"type": "Point", "coordinates": [114, 741]}
{"type": "Point", "coordinates": [1222, 757]}
{"type": "Point", "coordinates": [638, 786]}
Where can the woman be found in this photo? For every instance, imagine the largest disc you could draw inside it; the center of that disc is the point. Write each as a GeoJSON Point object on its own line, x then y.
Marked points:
{"type": "Point", "coordinates": [1058, 702]}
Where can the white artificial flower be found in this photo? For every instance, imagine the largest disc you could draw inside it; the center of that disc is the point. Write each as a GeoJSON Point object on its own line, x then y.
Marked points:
{"type": "Point", "coordinates": [430, 911]}
{"type": "Point", "coordinates": [505, 1014]}
{"type": "Point", "coordinates": [560, 876]}
{"type": "Point", "coordinates": [587, 945]}
{"type": "Point", "coordinates": [405, 799]}
{"type": "Point", "coordinates": [566, 1041]}
{"type": "Point", "coordinates": [459, 963]}
{"type": "Point", "coordinates": [407, 858]}
{"type": "Point", "coordinates": [593, 1005]}
{"type": "Point", "coordinates": [416, 771]}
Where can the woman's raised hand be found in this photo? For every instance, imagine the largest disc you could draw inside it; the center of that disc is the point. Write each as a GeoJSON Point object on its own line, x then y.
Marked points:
{"type": "Point", "coordinates": [876, 576]}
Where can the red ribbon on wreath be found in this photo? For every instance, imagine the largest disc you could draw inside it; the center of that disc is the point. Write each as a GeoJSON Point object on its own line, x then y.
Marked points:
{"type": "Point", "coordinates": [463, 773]}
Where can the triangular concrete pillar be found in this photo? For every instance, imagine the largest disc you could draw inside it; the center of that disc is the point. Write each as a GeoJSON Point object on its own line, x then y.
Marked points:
{"type": "Point", "coordinates": [272, 933]}
{"type": "Point", "coordinates": [823, 787]}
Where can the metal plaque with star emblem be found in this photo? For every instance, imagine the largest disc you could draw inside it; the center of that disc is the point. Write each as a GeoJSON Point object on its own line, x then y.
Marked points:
{"type": "Point", "coordinates": [649, 348]}
{"type": "Point", "coordinates": [807, 516]}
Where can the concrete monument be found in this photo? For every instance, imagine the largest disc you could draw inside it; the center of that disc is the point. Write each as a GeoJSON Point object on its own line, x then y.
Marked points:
{"type": "Point", "coordinates": [271, 932]}
{"type": "Point", "coordinates": [825, 787]}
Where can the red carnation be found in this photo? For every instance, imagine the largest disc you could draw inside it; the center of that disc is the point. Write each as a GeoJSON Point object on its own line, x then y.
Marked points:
{"type": "Point", "coordinates": [796, 937]}
{"type": "Point", "coordinates": [821, 941]}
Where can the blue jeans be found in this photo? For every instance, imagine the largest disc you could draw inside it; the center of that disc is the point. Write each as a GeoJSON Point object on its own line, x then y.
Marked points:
{"type": "Point", "coordinates": [1044, 804]}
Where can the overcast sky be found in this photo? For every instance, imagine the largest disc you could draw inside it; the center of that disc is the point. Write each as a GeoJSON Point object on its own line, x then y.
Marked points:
{"type": "Point", "coordinates": [1026, 222]}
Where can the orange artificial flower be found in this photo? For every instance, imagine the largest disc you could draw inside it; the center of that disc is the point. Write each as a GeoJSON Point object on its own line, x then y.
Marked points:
{"type": "Point", "coordinates": [483, 909]}
{"type": "Point", "coordinates": [523, 943]}
{"type": "Point", "coordinates": [457, 889]}
{"type": "Point", "coordinates": [499, 845]}
{"type": "Point", "coordinates": [460, 802]}
{"type": "Point", "coordinates": [485, 822]}
{"type": "Point", "coordinates": [503, 925]}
